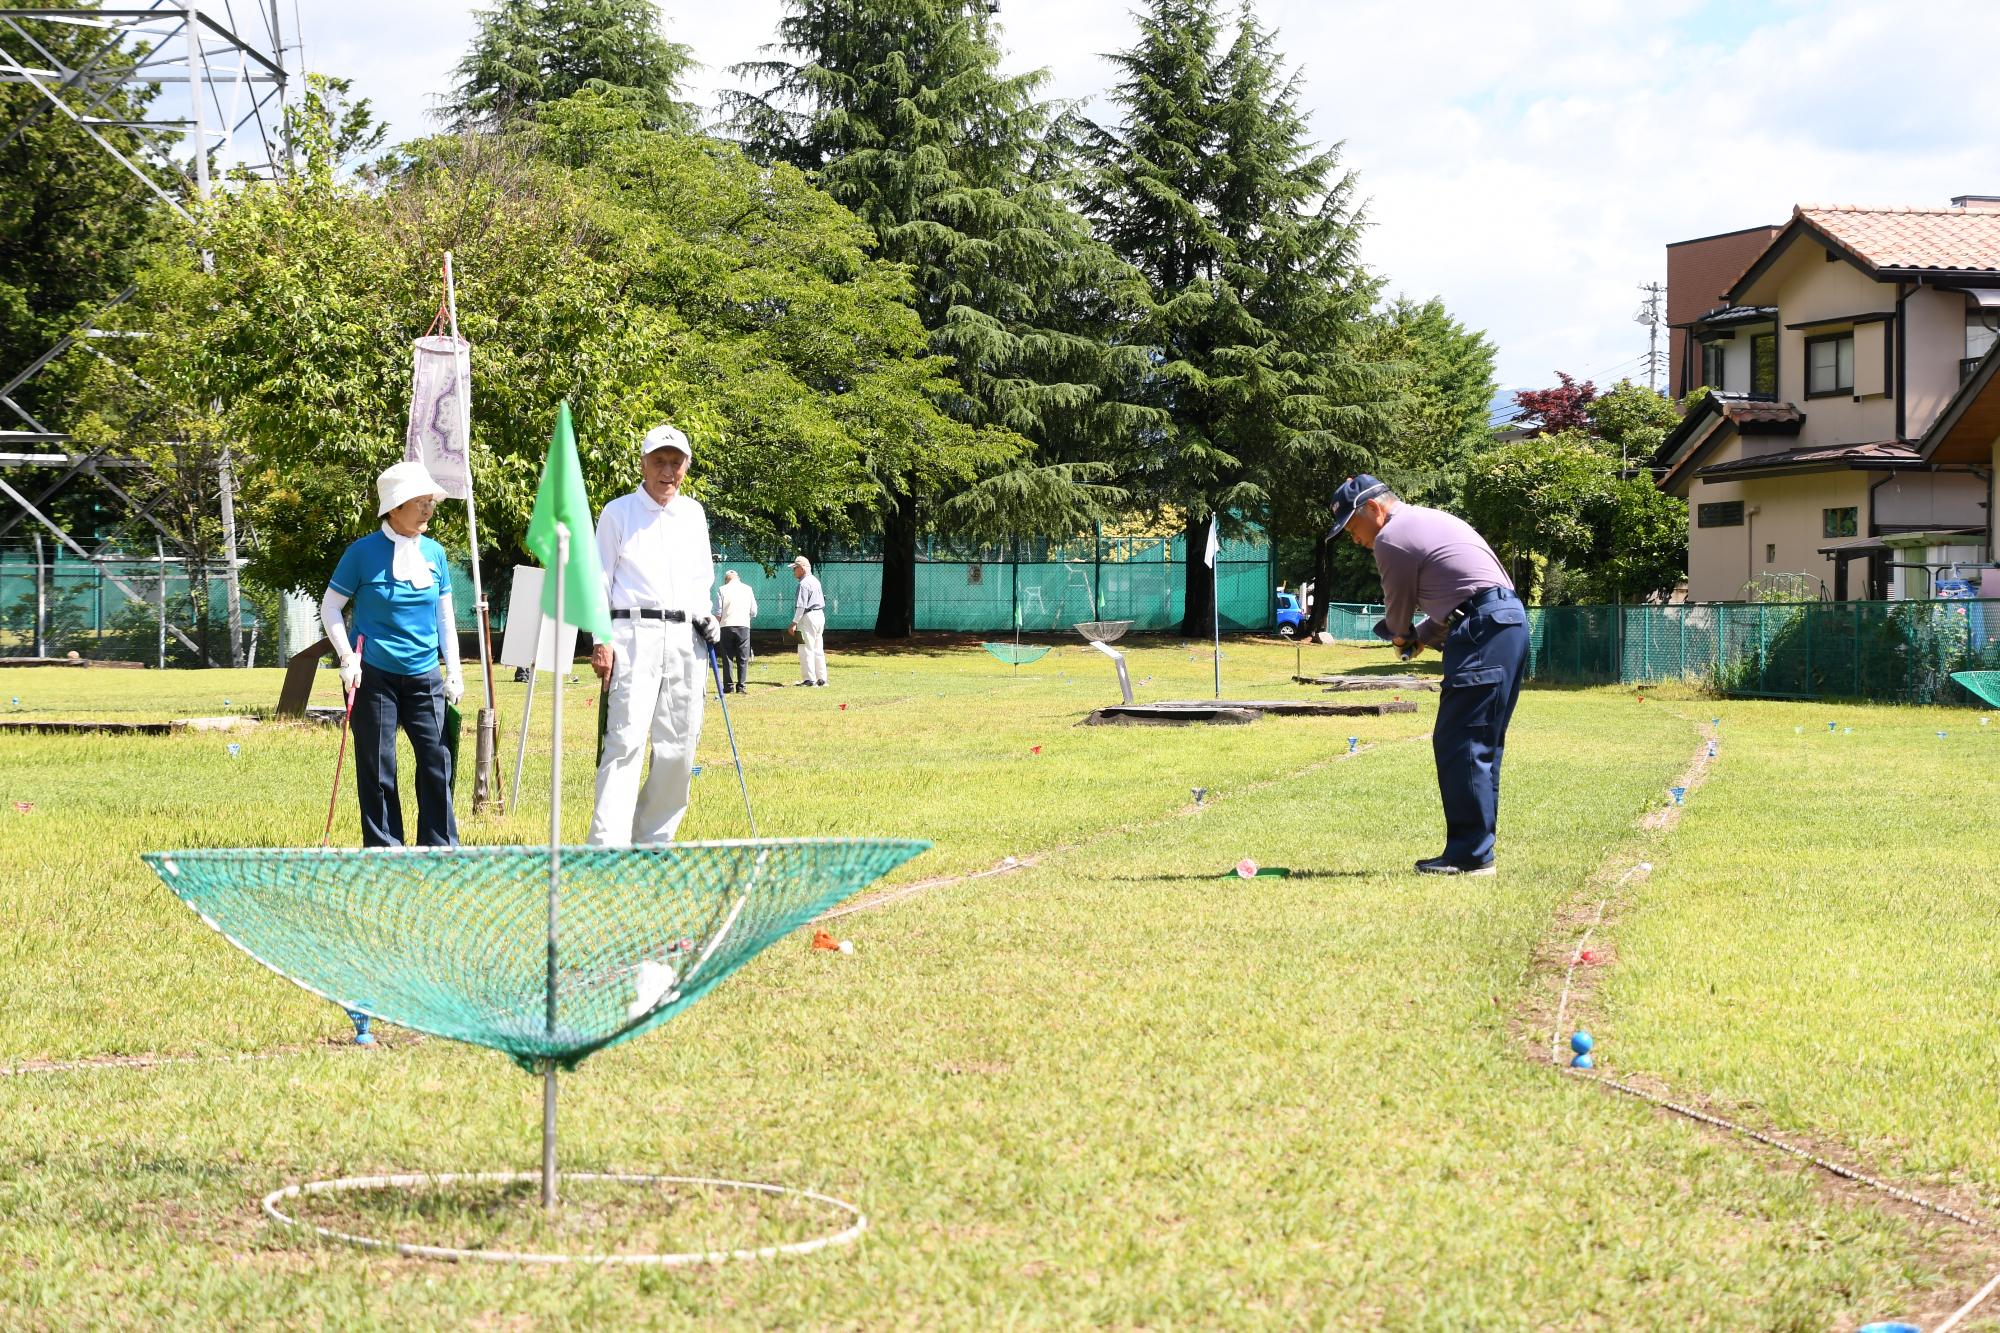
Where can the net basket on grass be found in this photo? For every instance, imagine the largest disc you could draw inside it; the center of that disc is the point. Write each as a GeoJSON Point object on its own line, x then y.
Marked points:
{"type": "Point", "coordinates": [455, 941]}
{"type": "Point", "coordinates": [1017, 654]}
{"type": "Point", "coordinates": [1102, 631]}
{"type": "Point", "coordinates": [1984, 684]}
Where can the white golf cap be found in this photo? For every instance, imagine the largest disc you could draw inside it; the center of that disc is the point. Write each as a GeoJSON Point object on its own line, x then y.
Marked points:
{"type": "Point", "coordinates": [665, 437]}
{"type": "Point", "coordinates": [800, 562]}
{"type": "Point", "coordinates": [406, 481]}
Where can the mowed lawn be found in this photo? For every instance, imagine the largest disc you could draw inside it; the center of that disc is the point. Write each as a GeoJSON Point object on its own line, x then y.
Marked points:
{"type": "Point", "coordinates": [1113, 1088]}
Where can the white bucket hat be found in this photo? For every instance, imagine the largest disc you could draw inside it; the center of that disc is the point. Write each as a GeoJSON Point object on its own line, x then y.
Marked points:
{"type": "Point", "coordinates": [665, 437]}
{"type": "Point", "coordinates": [406, 481]}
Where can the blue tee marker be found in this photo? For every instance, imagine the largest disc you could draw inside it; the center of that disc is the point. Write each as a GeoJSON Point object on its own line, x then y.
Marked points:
{"type": "Point", "coordinates": [1582, 1044]}
{"type": "Point", "coordinates": [1353, 743]}
{"type": "Point", "coordinates": [1200, 793]}
{"type": "Point", "coordinates": [1677, 793]}
{"type": "Point", "coordinates": [234, 749]}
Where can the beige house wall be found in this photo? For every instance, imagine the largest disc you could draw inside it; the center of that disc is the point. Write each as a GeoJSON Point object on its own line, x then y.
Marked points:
{"type": "Point", "coordinates": [1934, 344]}
{"type": "Point", "coordinates": [1805, 287]}
{"type": "Point", "coordinates": [1788, 516]}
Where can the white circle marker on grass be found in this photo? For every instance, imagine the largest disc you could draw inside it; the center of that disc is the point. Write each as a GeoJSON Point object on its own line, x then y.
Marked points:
{"type": "Point", "coordinates": [680, 1259]}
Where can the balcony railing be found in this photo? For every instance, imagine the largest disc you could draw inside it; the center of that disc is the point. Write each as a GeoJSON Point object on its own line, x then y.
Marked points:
{"type": "Point", "coordinates": [1967, 366]}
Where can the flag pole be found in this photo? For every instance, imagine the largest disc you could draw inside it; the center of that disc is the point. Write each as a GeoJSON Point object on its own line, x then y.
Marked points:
{"type": "Point", "coordinates": [1215, 599]}
{"type": "Point", "coordinates": [485, 789]}
{"type": "Point", "coordinates": [555, 879]}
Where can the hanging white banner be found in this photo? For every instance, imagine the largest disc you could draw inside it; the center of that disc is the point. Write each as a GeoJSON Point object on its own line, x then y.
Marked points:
{"type": "Point", "coordinates": [439, 369]}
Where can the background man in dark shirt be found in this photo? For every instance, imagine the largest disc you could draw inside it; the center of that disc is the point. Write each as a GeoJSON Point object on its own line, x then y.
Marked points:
{"type": "Point", "coordinates": [1433, 562]}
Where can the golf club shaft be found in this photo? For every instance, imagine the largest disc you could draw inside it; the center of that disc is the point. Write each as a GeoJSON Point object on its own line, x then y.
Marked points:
{"type": "Point", "coordinates": [333, 797]}
{"type": "Point", "coordinates": [722, 697]}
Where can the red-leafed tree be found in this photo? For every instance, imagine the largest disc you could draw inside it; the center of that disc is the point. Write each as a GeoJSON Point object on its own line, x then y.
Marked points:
{"type": "Point", "coordinates": [1565, 407]}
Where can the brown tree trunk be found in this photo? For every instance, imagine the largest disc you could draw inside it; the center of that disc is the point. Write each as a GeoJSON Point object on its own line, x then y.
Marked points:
{"type": "Point", "coordinates": [895, 616]}
{"type": "Point", "coordinates": [1198, 604]}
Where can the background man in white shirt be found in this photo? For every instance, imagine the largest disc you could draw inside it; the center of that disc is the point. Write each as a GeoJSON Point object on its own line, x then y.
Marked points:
{"type": "Point", "coordinates": [736, 607]}
{"type": "Point", "coordinates": [809, 623]}
{"type": "Point", "coordinates": [658, 573]}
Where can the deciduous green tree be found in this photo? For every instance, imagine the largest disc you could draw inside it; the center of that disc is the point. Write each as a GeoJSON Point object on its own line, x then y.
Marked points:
{"type": "Point", "coordinates": [643, 276]}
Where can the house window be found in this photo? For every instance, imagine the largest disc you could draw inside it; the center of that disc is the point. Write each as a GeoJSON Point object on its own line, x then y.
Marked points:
{"type": "Point", "coordinates": [1770, 553]}
{"type": "Point", "coordinates": [1982, 328]}
{"type": "Point", "coordinates": [1838, 522]}
{"type": "Point", "coordinates": [1711, 364]}
{"type": "Point", "coordinates": [1764, 365]}
{"type": "Point", "coordinates": [1723, 514]}
{"type": "Point", "coordinates": [1830, 365]}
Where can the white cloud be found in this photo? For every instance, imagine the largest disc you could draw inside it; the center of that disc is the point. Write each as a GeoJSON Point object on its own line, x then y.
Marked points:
{"type": "Point", "coordinates": [1527, 162]}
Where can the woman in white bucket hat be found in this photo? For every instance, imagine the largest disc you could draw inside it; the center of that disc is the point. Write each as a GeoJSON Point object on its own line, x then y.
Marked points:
{"type": "Point", "coordinates": [393, 587]}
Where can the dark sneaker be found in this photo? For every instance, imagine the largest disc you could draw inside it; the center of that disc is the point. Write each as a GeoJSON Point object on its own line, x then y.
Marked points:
{"type": "Point", "coordinates": [1438, 865]}
{"type": "Point", "coordinates": [820, 683]}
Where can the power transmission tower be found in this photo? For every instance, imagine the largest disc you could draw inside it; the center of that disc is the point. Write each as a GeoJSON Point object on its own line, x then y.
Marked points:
{"type": "Point", "coordinates": [215, 80]}
{"type": "Point", "coordinates": [1649, 315]}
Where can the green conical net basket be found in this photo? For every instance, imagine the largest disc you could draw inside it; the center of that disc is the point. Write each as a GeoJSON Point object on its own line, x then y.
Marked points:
{"type": "Point", "coordinates": [455, 941]}
{"type": "Point", "coordinates": [1985, 684]}
{"type": "Point", "coordinates": [1017, 654]}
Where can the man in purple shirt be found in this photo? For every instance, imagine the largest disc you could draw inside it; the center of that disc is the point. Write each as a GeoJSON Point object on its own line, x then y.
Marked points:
{"type": "Point", "coordinates": [1433, 562]}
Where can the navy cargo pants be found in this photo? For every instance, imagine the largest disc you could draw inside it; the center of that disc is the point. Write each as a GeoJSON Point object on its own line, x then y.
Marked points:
{"type": "Point", "coordinates": [1483, 660]}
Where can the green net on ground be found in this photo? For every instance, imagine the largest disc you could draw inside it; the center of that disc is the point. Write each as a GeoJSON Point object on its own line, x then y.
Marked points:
{"type": "Point", "coordinates": [1984, 684]}
{"type": "Point", "coordinates": [1017, 654]}
{"type": "Point", "coordinates": [455, 942]}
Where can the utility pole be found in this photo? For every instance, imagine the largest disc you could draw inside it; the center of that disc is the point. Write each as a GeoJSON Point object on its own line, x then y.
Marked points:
{"type": "Point", "coordinates": [1649, 315]}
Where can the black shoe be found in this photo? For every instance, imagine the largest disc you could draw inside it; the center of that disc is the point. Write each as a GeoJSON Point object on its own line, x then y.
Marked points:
{"type": "Point", "coordinates": [820, 683]}
{"type": "Point", "coordinates": [740, 689]}
{"type": "Point", "coordinates": [1438, 865]}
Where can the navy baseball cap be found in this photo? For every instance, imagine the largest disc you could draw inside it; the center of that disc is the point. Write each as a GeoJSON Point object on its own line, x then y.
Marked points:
{"type": "Point", "coordinates": [1350, 495]}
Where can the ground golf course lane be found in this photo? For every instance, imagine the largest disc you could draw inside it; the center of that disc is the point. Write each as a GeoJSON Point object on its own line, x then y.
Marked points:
{"type": "Point", "coordinates": [1113, 1088]}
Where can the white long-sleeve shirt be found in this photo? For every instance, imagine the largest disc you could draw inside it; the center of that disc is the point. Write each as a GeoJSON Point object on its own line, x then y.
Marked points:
{"type": "Point", "coordinates": [656, 557]}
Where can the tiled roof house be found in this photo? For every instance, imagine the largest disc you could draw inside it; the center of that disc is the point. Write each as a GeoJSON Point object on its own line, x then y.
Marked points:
{"type": "Point", "coordinates": [1852, 425]}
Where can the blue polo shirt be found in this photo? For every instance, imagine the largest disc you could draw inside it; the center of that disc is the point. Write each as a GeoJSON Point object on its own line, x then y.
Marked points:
{"type": "Point", "coordinates": [398, 623]}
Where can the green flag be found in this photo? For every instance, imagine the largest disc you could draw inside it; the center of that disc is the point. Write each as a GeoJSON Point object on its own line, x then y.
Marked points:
{"type": "Point", "coordinates": [561, 499]}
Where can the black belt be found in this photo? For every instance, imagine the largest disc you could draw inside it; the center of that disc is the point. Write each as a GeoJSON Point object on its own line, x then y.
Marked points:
{"type": "Point", "coordinates": [1473, 604]}
{"type": "Point", "coordinates": [647, 613]}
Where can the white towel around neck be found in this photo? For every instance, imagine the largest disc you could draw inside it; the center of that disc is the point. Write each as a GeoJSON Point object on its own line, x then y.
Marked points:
{"type": "Point", "coordinates": [409, 565]}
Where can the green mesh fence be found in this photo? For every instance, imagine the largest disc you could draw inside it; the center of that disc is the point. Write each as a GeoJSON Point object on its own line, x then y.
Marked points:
{"type": "Point", "coordinates": [1142, 580]}
{"type": "Point", "coordinates": [454, 941]}
{"type": "Point", "coordinates": [84, 610]}
{"type": "Point", "coordinates": [1353, 622]}
{"type": "Point", "coordinates": [1904, 652]}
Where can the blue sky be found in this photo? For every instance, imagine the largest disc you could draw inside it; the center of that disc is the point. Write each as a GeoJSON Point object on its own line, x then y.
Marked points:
{"type": "Point", "coordinates": [1527, 162]}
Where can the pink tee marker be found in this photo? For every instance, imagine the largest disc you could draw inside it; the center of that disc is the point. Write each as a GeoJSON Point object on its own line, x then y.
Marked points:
{"type": "Point", "coordinates": [1034, 749]}
{"type": "Point", "coordinates": [1246, 869]}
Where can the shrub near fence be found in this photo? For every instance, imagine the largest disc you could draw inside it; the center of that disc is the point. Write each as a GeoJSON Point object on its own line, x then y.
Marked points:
{"type": "Point", "coordinates": [1902, 652]}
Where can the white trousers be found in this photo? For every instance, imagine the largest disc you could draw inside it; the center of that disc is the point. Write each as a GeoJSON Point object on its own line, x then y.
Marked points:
{"type": "Point", "coordinates": [657, 680]}
{"type": "Point", "coordinates": [812, 646]}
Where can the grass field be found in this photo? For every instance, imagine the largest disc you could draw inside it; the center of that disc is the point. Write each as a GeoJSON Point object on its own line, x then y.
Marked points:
{"type": "Point", "coordinates": [1109, 1088]}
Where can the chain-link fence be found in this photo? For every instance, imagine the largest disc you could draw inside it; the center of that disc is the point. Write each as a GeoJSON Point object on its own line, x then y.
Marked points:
{"type": "Point", "coordinates": [1901, 652]}
{"type": "Point", "coordinates": [61, 604]}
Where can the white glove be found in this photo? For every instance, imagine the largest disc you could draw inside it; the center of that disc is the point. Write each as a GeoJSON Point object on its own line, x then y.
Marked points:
{"type": "Point", "coordinates": [350, 673]}
{"type": "Point", "coordinates": [709, 628]}
{"type": "Point", "coordinates": [454, 687]}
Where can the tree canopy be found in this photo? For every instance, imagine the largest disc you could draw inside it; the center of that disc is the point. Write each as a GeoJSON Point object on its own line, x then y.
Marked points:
{"type": "Point", "coordinates": [642, 276]}
{"type": "Point", "coordinates": [900, 111]}
{"type": "Point", "coordinates": [527, 54]}
{"type": "Point", "coordinates": [1249, 237]}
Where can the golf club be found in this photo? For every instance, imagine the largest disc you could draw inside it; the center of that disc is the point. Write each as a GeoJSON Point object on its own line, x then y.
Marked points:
{"type": "Point", "coordinates": [333, 797]}
{"type": "Point", "coordinates": [722, 697]}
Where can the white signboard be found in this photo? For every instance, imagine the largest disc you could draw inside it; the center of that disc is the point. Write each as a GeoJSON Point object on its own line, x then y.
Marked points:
{"type": "Point", "coordinates": [531, 639]}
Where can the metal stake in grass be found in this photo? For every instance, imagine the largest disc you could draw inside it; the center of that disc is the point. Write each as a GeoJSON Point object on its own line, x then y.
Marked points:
{"type": "Point", "coordinates": [555, 879]}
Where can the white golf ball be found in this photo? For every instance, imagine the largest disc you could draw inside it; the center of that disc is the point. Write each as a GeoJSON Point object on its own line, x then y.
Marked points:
{"type": "Point", "coordinates": [847, 946]}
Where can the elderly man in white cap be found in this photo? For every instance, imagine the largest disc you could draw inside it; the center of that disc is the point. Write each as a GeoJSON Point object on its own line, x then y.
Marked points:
{"type": "Point", "coordinates": [809, 623]}
{"type": "Point", "coordinates": [659, 574]}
